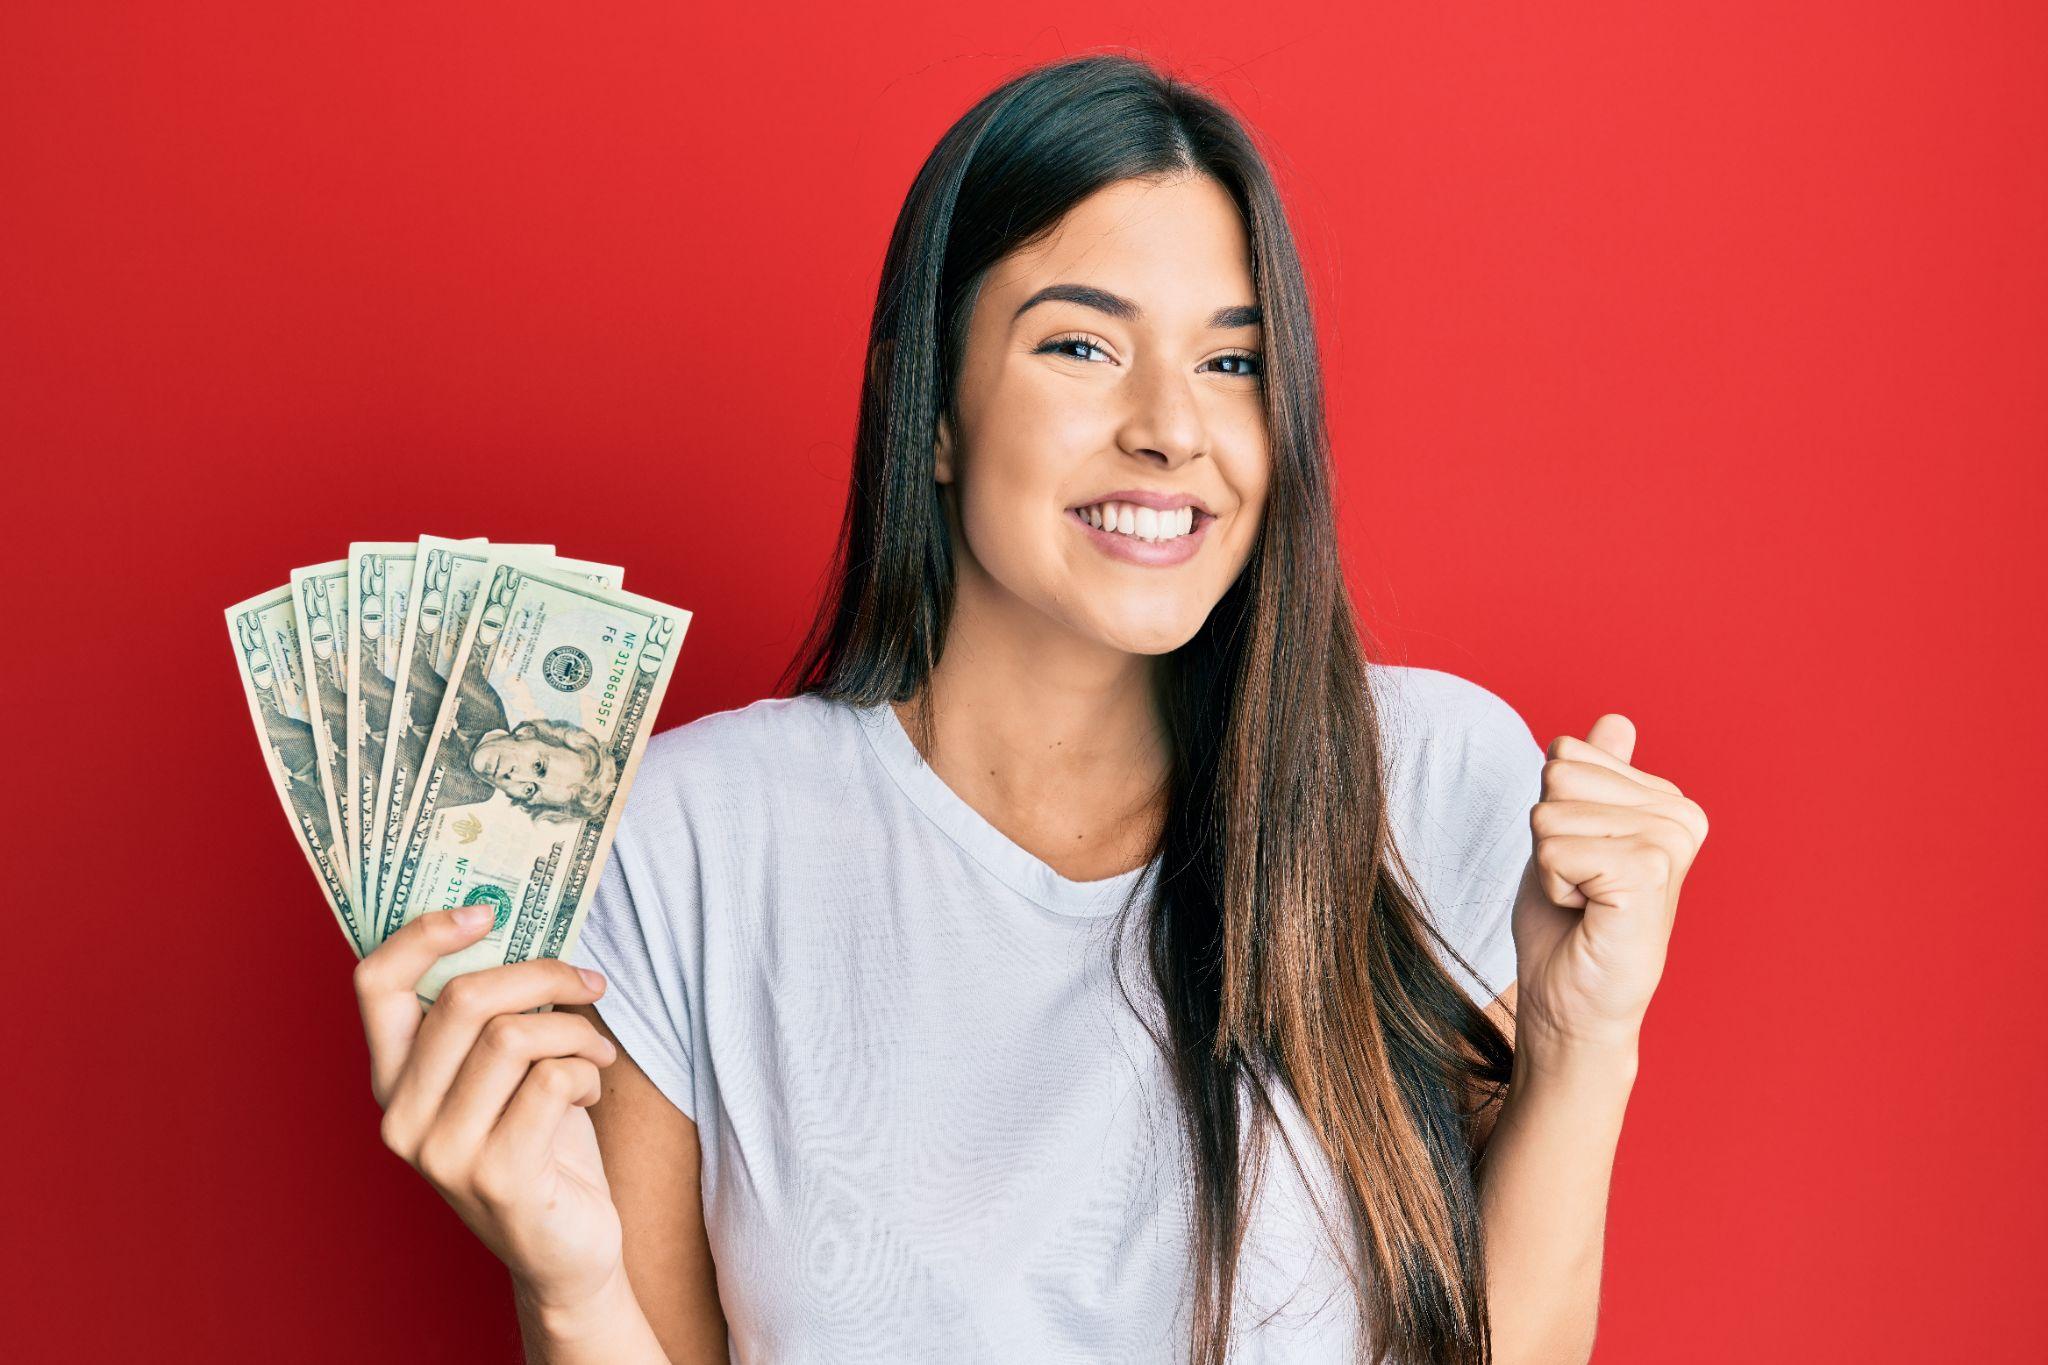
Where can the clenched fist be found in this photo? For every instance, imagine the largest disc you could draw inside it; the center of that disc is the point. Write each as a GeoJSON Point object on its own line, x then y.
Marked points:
{"type": "Point", "coordinates": [1600, 893]}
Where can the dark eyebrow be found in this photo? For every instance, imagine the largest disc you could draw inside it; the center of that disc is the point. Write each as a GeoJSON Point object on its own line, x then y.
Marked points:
{"type": "Point", "coordinates": [1122, 309]}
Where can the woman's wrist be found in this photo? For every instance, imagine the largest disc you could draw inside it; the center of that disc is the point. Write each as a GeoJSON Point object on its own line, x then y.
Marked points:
{"type": "Point", "coordinates": [607, 1326]}
{"type": "Point", "coordinates": [1608, 1061]}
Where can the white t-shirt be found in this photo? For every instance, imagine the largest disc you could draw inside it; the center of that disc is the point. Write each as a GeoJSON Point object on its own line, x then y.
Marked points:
{"type": "Point", "coordinates": [932, 1129]}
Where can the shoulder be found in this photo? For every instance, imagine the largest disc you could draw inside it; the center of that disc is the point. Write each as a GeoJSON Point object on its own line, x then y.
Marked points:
{"type": "Point", "coordinates": [738, 758]}
{"type": "Point", "coordinates": [1430, 706]}
{"type": "Point", "coordinates": [1463, 771]}
{"type": "Point", "coordinates": [1459, 759]}
{"type": "Point", "coordinates": [759, 730]}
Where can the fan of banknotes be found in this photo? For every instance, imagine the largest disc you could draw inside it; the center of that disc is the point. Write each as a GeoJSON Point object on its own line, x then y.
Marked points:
{"type": "Point", "coordinates": [452, 722]}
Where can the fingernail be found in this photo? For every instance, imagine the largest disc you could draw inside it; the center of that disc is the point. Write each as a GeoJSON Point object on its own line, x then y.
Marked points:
{"type": "Point", "coordinates": [470, 916]}
{"type": "Point", "coordinates": [590, 978]}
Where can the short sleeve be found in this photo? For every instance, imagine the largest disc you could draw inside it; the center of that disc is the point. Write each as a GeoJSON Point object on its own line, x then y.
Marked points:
{"type": "Point", "coordinates": [628, 934]}
{"type": "Point", "coordinates": [1505, 767]}
{"type": "Point", "coordinates": [1466, 771]}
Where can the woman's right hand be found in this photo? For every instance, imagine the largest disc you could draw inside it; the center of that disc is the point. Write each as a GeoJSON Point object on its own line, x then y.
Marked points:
{"type": "Point", "coordinates": [488, 1103]}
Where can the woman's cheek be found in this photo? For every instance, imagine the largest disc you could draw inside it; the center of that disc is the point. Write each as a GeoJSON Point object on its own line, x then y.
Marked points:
{"type": "Point", "coordinates": [997, 517]}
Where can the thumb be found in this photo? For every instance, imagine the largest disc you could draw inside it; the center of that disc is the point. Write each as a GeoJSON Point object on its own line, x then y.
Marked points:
{"type": "Point", "coordinates": [1614, 734]}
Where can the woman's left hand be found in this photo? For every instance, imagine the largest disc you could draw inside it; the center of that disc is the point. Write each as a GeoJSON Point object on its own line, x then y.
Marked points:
{"type": "Point", "coordinates": [1600, 892]}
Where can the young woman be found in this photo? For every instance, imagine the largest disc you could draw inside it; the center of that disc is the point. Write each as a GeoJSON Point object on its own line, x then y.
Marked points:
{"type": "Point", "coordinates": [1089, 697]}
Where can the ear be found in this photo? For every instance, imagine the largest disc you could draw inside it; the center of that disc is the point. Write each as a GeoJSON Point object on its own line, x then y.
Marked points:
{"type": "Point", "coordinates": [942, 446]}
{"type": "Point", "coordinates": [942, 451]}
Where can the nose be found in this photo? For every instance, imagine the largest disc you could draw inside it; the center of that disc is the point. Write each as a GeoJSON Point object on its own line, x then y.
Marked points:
{"type": "Point", "coordinates": [1165, 419]}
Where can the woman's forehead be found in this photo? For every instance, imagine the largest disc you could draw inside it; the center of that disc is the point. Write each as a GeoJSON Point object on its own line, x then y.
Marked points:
{"type": "Point", "coordinates": [1138, 233]}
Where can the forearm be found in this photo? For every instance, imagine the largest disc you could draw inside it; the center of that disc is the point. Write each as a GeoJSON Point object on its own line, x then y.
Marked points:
{"type": "Point", "coordinates": [1543, 1184]}
{"type": "Point", "coordinates": [610, 1330]}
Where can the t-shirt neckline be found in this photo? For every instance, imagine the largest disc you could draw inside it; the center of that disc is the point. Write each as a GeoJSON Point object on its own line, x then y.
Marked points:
{"type": "Point", "coordinates": [1008, 861]}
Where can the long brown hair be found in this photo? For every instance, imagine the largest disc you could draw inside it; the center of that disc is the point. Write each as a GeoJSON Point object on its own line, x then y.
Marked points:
{"type": "Point", "coordinates": [1283, 935]}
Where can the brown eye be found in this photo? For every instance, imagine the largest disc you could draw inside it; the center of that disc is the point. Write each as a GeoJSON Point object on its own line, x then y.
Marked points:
{"type": "Point", "coordinates": [1057, 344]}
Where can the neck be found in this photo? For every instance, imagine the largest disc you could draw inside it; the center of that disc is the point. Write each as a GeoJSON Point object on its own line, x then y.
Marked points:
{"type": "Point", "coordinates": [1056, 739]}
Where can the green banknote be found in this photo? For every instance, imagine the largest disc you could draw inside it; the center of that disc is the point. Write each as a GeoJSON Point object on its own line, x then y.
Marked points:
{"type": "Point", "coordinates": [554, 688]}
{"type": "Point", "coordinates": [320, 599]}
{"type": "Point", "coordinates": [447, 575]}
{"type": "Point", "coordinates": [379, 585]}
{"type": "Point", "coordinates": [268, 654]}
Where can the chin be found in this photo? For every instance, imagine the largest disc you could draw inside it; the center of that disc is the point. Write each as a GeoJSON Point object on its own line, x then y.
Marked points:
{"type": "Point", "coordinates": [1147, 638]}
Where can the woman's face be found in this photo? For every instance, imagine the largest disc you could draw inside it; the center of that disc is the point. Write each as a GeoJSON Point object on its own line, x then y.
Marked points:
{"type": "Point", "coordinates": [1145, 380]}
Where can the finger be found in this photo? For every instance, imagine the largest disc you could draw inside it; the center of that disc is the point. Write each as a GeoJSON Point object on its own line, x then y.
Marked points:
{"type": "Point", "coordinates": [520, 1146]}
{"type": "Point", "coordinates": [495, 1068]}
{"type": "Point", "coordinates": [385, 978]}
{"type": "Point", "coordinates": [1614, 733]}
{"type": "Point", "coordinates": [457, 1019]}
{"type": "Point", "coordinates": [1596, 776]}
{"type": "Point", "coordinates": [1597, 868]}
{"type": "Point", "coordinates": [1583, 780]}
{"type": "Point", "coordinates": [1664, 822]}
{"type": "Point", "coordinates": [1569, 746]}
{"type": "Point", "coordinates": [1539, 874]}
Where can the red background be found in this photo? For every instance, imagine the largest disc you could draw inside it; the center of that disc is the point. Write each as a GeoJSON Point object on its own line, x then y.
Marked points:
{"type": "Point", "coordinates": [1683, 364]}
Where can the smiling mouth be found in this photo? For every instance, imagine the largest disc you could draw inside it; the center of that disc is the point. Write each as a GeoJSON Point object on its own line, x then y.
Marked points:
{"type": "Point", "coordinates": [1133, 548]}
{"type": "Point", "coordinates": [1142, 524]}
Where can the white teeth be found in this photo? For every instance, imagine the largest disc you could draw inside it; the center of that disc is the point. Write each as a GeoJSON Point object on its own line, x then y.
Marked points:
{"type": "Point", "coordinates": [1143, 523]}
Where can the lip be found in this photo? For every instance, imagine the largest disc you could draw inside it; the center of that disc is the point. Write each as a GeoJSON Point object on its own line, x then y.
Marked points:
{"type": "Point", "coordinates": [1145, 497]}
{"type": "Point", "coordinates": [1150, 553]}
